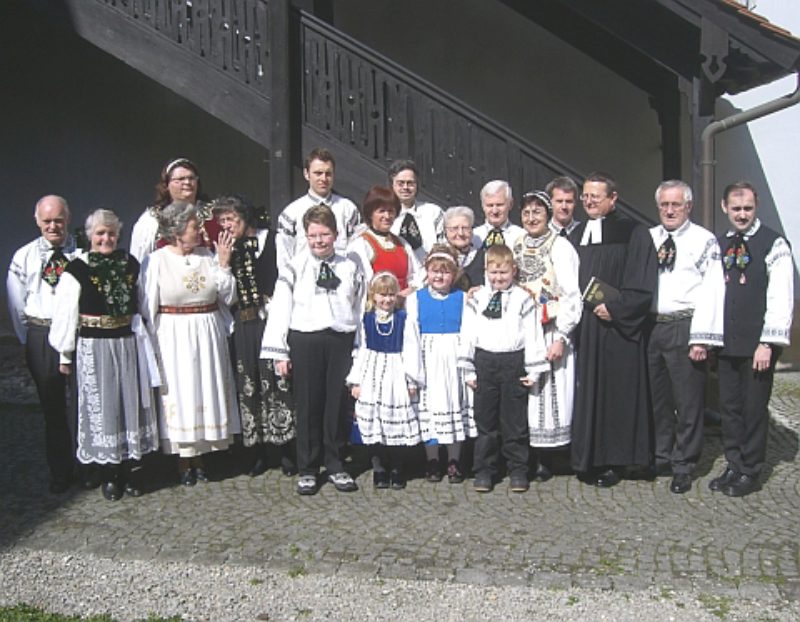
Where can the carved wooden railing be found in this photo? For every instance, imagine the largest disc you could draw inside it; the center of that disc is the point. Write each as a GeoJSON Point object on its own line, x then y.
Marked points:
{"type": "Point", "coordinates": [232, 35]}
{"type": "Point", "coordinates": [385, 112]}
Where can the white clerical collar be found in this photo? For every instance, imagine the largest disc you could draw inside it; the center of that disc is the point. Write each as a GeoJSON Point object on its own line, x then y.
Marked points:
{"type": "Point", "coordinates": [593, 233]}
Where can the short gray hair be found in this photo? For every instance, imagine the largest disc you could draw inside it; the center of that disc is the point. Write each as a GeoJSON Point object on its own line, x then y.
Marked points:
{"type": "Point", "coordinates": [52, 197]}
{"type": "Point", "coordinates": [495, 186]}
{"type": "Point", "coordinates": [172, 219]}
{"type": "Point", "coordinates": [674, 183]}
{"type": "Point", "coordinates": [457, 211]}
{"type": "Point", "coordinates": [102, 218]}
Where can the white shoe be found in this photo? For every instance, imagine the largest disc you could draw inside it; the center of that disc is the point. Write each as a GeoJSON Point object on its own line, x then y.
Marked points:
{"type": "Point", "coordinates": [342, 482]}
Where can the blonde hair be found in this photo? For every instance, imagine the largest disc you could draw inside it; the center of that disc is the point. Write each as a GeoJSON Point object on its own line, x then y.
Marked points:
{"type": "Point", "coordinates": [381, 283]}
{"type": "Point", "coordinates": [499, 255]}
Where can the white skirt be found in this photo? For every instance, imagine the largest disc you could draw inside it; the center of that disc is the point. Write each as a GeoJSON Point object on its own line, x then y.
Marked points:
{"type": "Point", "coordinates": [445, 404]}
{"type": "Point", "coordinates": [550, 400]}
{"type": "Point", "coordinates": [385, 412]}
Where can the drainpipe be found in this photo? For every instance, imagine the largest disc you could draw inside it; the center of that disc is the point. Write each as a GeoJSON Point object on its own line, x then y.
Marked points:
{"type": "Point", "coordinates": [707, 162]}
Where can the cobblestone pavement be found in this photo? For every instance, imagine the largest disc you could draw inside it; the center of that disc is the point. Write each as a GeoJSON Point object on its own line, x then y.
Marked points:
{"type": "Point", "coordinates": [560, 534]}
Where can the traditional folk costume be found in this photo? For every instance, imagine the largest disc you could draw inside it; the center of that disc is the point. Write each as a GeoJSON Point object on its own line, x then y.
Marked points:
{"type": "Point", "coordinates": [145, 238]}
{"type": "Point", "coordinates": [548, 271]}
{"type": "Point", "coordinates": [387, 362]}
{"type": "Point", "coordinates": [502, 343]}
{"type": "Point", "coordinates": [759, 299]}
{"type": "Point", "coordinates": [378, 252]}
{"type": "Point", "coordinates": [610, 424]}
{"type": "Point", "coordinates": [115, 362]}
{"type": "Point", "coordinates": [291, 240]}
{"type": "Point", "coordinates": [688, 310]}
{"type": "Point", "coordinates": [421, 225]}
{"type": "Point", "coordinates": [185, 299]}
{"type": "Point", "coordinates": [312, 322]}
{"type": "Point", "coordinates": [35, 270]}
{"type": "Point", "coordinates": [265, 401]}
{"type": "Point", "coordinates": [473, 271]}
{"type": "Point", "coordinates": [560, 230]}
{"type": "Point", "coordinates": [445, 405]}
{"type": "Point", "coordinates": [486, 235]}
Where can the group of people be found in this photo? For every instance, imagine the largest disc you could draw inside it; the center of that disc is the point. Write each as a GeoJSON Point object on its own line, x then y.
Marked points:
{"type": "Point", "coordinates": [400, 324]}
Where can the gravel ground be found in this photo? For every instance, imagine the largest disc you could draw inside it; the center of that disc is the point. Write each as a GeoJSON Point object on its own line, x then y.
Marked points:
{"type": "Point", "coordinates": [130, 590]}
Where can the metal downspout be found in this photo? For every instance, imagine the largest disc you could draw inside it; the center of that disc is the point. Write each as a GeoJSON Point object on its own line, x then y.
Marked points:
{"type": "Point", "coordinates": [707, 161]}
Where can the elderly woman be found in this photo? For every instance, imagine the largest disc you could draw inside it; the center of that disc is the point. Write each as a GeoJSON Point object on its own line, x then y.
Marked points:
{"type": "Point", "coordinates": [380, 250]}
{"type": "Point", "coordinates": [179, 181]}
{"type": "Point", "coordinates": [548, 269]}
{"type": "Point", "coordinates": [458, 225]}
{"type": "Point", "coordinates": [186, 294]}
{"type": "Point", "coordinates": [265, 401]}
{"type": "Point", "coordinates": [96, 300]}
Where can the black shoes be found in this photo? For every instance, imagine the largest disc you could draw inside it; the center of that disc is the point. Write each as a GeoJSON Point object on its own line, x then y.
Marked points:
{"type": "Point", "coordinates": [380, 480]}
{"type": "Point", "coordinates": [259, 467]}
{"type": "Point", "coordinates": [433, 473]}
{"type": "Point", "coordinates": [681, 483]}
{"type": "Point", "coordinates": [607, 479]}
{"type": "Point", "coordinates": [719, 483]}
{"type": "Point", "coordinates": [112, 491]}
{"type": "Point", "coordinates": [519, 483]}
{"type": "Point", "coordinates": [454, 474]}
{"type": "Point", "coordinates": [201, 475]}
{"type": "Point", "coordinates": [397, 480]}
{"type": "Point", "coordinates": [483, 483]}
{"type": "Point", "coordinates": [188, 477]}
{"type": "Point", "coordinates": [742, 485]}
{"type": "Point", "coordinates": [542, 473]}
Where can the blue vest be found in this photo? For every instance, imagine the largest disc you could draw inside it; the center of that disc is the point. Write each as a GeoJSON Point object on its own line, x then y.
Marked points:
{"type": "Point", "coordinates": [440, 316]}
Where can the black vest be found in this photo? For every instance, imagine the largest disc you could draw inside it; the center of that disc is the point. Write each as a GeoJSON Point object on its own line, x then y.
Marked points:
{"type": "Point", "coordinates": [746, 303]}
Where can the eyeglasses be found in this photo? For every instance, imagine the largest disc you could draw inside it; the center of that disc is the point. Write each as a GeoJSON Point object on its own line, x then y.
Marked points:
{"type": "Point", "coordinates": [189, 179]}
{"type": "Point", "coordinates": [461, 229]}
{"type": "Point", "coordinates": [593, 198]}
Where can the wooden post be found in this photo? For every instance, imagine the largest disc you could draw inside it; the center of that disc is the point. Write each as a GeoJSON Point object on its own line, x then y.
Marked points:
{"type": "Point", "coordinates": [281, 119]}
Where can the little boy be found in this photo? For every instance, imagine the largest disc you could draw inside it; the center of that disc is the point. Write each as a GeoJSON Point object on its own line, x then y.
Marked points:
{"type": "Point", "coordinates": [312, 322]}
{"type": "Point", "coordinates": [502, 352]}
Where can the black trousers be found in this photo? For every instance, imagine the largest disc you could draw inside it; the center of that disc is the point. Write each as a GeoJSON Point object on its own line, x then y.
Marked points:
{"type": "Point", "coordinates": [677, 387]}
{"type": "Point", "coordinates": [501, 408]}
{"type": "Point", "coordinates": [321, 361]}
{"type": "Point", "coordinates": [743, 399]}
{"type": "Point", "coordinates": [53, 388]}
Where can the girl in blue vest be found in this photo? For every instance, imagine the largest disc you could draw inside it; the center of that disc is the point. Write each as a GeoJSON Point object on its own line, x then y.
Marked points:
{"type": "Point", "coordinates": [385, 381]}
{"type": "Point", "coordinates": [445, 407]}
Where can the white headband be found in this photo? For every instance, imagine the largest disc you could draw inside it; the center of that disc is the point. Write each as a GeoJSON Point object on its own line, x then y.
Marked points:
{"type": "Point", "coordinates": [176, 162]}
{"type": "Point", "coordinates": [440, 255]}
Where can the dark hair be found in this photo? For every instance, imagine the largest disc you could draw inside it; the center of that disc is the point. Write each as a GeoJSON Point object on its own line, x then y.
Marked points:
{"type": "Point", "coordinates": [736, 188]}
{"type": "Point", "coordinates": [321, 215]}
{"type": "Point", "coordinates": [319, 153]}
{"type": "Point", "coordinates": [565, 184]}
{"type": "Point", "coordinates": [398, 166]}
{"type": "Point", "coordinates": [163, 197]}
{"type": "Point", "coordinates": [238, 204]}
{"type": "Point", "coordinates": [603, 178]}
{"type": "Point", "coordinates": [379, 196]}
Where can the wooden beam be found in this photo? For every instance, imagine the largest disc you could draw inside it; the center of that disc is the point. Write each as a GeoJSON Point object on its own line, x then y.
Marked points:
{"type": "Point", "coordinates": [281, 119]}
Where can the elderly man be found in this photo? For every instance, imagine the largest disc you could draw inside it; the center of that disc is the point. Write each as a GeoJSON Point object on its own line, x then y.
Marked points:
{"type": "Point", "coordinates": [497, 201]}
{"type": "Point", "coordinates": [759, 300]}
{"type": "Point", "coordinates": [32, 278]}
{"type": "Point", "coordinates": [688, 313]}
{"type": "Point", "coordinates": [563, 196]}
{"type": "Point", "coordinates": [419, 224]}
{"type": "Point", "coordinates": [318, 169]}
{"type": "Point", "coordinates": [610, 425]}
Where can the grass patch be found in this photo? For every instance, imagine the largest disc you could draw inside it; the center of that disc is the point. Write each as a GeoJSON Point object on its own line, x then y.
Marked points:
{"type": "Point", "coordinates": [719, 606]}
{"type": "Point", "coordinates": [27, 613]}
{"type": "Point", "coordinates": [298, 571]}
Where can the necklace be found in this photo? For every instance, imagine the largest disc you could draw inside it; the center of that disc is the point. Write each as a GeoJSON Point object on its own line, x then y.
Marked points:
{"type": "Point", "coordinates": [390, 322]}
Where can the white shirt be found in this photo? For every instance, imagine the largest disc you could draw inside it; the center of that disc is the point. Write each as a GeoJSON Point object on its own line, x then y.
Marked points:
{"type": "Point", "coordinates": [695, 282]}
{"type": "Point", "coordinates": [300, 304]}
{"type": "Point", "coordinates": [28, 295]}
{"type": "Point", "coordinates": [144, 235]}
{"type": "Point", "coordinates": [430, 220]}
{"type": "Point", "coordinates": [290, 238]}
{"type": "Point", "coordinates": [518, 328]}
{"type": "Point", "coordinates": [510, 233]}
{"type": "Point", "coordinates": [780, 289]}
{"type": "Point", "coordinates": [556, 227]}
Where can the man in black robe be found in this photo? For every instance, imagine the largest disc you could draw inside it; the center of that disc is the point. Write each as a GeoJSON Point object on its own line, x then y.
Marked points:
{"type": "Point", "coordinates": [610, 426]}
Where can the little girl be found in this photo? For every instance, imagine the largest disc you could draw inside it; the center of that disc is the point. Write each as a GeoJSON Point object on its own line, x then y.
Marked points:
{"type": "Point", "coordinates": [385, 380]}
{"type": "Point", "coordinates": [445, 409]}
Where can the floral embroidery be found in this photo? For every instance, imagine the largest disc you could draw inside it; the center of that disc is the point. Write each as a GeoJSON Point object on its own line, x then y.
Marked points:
{"type": "Point", "coordinates": [194, 282]}
{"type": "Point", "coordinates": [108, 273]}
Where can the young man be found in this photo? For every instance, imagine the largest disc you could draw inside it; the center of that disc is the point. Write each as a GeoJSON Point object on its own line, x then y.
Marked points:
{"type": "Point", "coordinates": [35, 271]}
{"type": "Point", "coordinates": [759, 301]}
{"type": "Point", "coordinates": [502, 352]}
{"type": "Point", "coordinates": [310, 332]}
{"type": "Point", "coordinates": [563, 197]}
{"type": "Point", "coordinates": [319, 170]}
{"type": "Point", "coordinates": [688, 312]}
{"type": "Point", "coordinates": [419, 224]}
